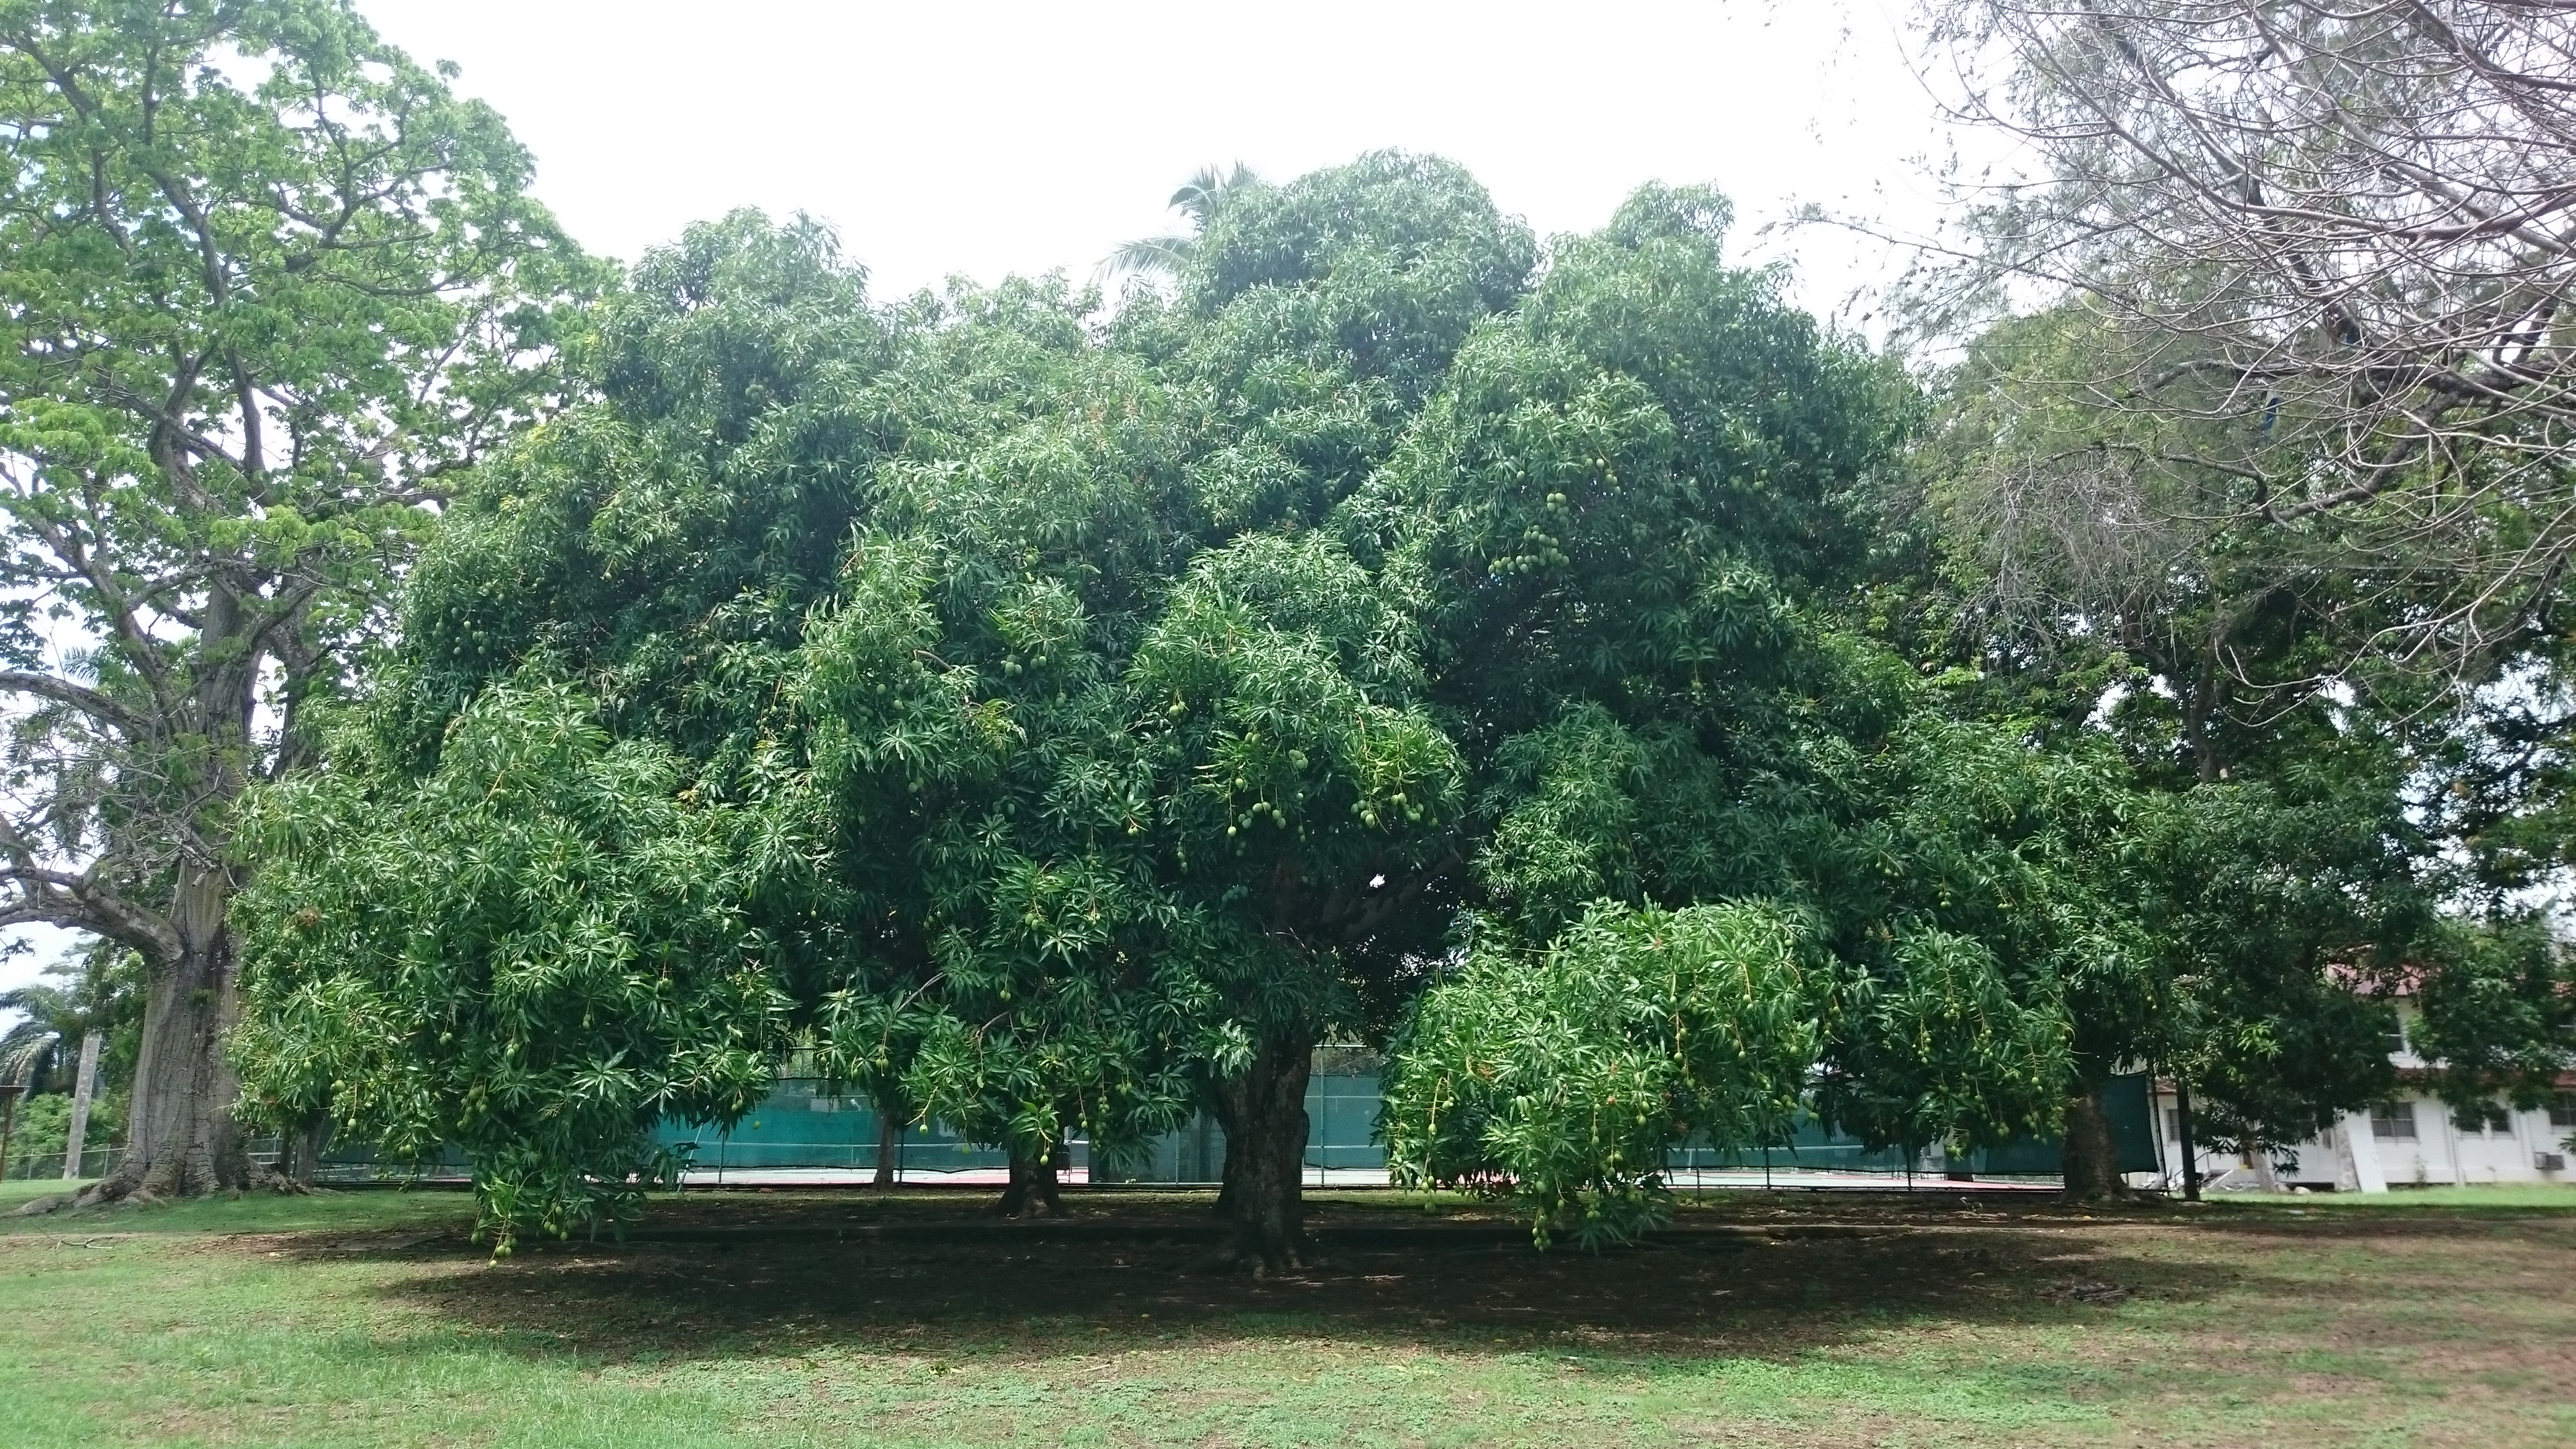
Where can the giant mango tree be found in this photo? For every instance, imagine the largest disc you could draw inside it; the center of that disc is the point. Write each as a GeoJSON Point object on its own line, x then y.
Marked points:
{"type": "Point", "coordinates": [1062, 724]}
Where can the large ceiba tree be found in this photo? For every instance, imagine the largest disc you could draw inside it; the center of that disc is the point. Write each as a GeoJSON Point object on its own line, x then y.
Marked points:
{"type": "Point", "coordinates": [270, 286]}
{"type": "Point", "coordinates": [1087, 720]}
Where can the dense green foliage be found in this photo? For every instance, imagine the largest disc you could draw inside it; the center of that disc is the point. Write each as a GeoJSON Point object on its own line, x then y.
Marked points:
{"type": "Point", "coordinates": [1566, 1080]}
{"type": "Point", "coordinates": [1055, 721]}
{"type": "Point", "coordinates": [2319, 825]}
{"type": "Point", "coordinates": [270, 288]}
{"type": "Point", "coordinates": [535, 952]}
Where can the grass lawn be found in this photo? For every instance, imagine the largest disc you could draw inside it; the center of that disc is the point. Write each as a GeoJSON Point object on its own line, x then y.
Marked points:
{"type": "Point", "coordinates": [773, 1319]}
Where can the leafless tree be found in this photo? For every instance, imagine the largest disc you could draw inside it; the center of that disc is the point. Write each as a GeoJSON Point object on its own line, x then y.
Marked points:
{"type": "Point", "coordinates": [2335, 241]}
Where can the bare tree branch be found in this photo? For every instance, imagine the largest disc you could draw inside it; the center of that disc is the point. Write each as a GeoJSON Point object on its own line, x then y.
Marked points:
{"type": "Point", "coordinates": [2336, 240]}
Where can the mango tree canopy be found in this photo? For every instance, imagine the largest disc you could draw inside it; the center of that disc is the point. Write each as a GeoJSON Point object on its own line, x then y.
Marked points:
{"type": "Point", "coordinates": [1095, 717]}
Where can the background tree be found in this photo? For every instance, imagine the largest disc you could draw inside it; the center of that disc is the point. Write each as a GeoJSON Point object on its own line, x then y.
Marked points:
{"type": "Point", "coordinates": [95, 987]}
{"type": "Point", "coordinates": [2280, 915]}
{"type": "Point", "coordinates": [92, 988]}
{"type": "Point", "coordinates": [270, 287]}
{"type": "Point", "coordinates": [2498, 1012]}
{"type": "Point", "coordinates": [2313, 800]}
{"type": "Point", "coordinates": [2329, 240]}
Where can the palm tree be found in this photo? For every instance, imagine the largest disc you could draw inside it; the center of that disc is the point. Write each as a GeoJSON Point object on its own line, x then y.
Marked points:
{"type": "Point", "coordinates": [28, 1050]}
{"type": "Point", "coordinates": [1197, 201]}
{"type": "Point", "coordinates": [31, 1049]}
{"type": "Point", "coordinates": [96, 993]}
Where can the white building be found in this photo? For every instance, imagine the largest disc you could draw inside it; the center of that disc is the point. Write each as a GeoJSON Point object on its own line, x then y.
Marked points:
{"type": "Point", "coordinates": [2410, 1142]}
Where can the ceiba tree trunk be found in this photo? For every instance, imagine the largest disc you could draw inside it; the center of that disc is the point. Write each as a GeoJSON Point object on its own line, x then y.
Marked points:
{"type": "Point", "coordinates": [1264, 1115]}
{"type": "Point", "coordinates": [2091, 1160]}
{"type": "Point", "coordinates": [180, 1139]}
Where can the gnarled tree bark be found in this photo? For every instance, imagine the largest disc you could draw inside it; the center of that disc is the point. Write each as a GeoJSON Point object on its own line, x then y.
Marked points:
{"type": "Point", "coordinates": [180, 1138]}
{"type": "Point", "coordinates": [1032, 1188]}
{"type": "Point", "coordinates": [2091, 1158]}
{"type": "Point", "coordinates": [1264, 1115]}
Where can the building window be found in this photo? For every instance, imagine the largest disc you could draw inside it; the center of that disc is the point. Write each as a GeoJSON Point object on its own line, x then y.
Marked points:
{"type": "Point", "coordinates": [2562, 1110]}
{"type": "Point", "coordinates": [2393, 1122]}
{"type": "Point", "coordinates": [2484, 1118]}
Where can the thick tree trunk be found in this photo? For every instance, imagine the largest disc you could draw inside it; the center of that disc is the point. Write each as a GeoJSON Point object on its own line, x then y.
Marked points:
{"type": "Point", "coordinates": [1265, 1153]}
{"type": "Point", "coordinates": [889, 1144]}
{"type": "Point", "coordinates": [1032, 1190]}
{"type": "Point", "coordinates": [2091, 1159]}
{"type": "Point", "coordinates": [180, 1139]}
{"type": "Point", "coordinates": [307, 1146]}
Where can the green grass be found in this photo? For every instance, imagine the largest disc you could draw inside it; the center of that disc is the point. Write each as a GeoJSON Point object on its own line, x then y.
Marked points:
{"type": "Point", "coordinates": [2557, 1195]}
{"type": "Point", "coordinates": [256, 1213]}
{"type": "Point", "coordinates": [365, 1319]}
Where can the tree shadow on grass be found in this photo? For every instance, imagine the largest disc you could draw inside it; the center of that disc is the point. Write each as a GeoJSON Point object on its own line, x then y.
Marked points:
{"type": "Point", "coordinates": [788, 1286]}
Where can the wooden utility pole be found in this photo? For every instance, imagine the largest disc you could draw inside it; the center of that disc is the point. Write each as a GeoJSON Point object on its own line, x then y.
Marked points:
{"type": "Point", "coordinates": [80, 1106]}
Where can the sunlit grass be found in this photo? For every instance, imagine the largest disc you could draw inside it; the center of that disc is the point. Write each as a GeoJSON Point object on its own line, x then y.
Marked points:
{"type": "Point", "coordinates": [362, 1318]}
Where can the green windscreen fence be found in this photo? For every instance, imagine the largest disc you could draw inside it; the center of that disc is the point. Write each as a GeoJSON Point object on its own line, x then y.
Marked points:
{"type": "Point", "coordinates": [803, 1125]}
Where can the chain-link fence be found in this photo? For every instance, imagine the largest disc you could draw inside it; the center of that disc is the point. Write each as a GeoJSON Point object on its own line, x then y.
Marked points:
{"type": "Point", "coordinates": [30, 1166]}
{"type": "Point", "coordinates": [805, 1133]}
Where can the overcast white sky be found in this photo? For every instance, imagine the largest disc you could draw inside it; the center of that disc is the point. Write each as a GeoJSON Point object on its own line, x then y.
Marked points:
{"type": "Point", "coordinates": [988, 138]}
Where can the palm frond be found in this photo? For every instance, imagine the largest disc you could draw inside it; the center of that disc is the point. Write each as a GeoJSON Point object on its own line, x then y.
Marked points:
{"type": "Point", "coordinates": [1151, 256]}
{"type": "Point", "coordinates": [1205, 193]}
{"type": "Point", "coordinates": [27, 1051]}
{"type": "Point", "coordinates": [1198, 201]}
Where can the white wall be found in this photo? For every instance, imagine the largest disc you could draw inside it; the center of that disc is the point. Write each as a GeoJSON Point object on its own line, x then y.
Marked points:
{"type": "Point", "coordinates": [2439, 1153]}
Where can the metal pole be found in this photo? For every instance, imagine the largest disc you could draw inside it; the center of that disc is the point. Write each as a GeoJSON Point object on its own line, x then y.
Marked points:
{"type": "Point", "coordinates": [80, 1107]}
{"type": "Point", "coordinates": [2156, 1126]}
{"type": "Point", "coordinates": [2182, 1130]}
